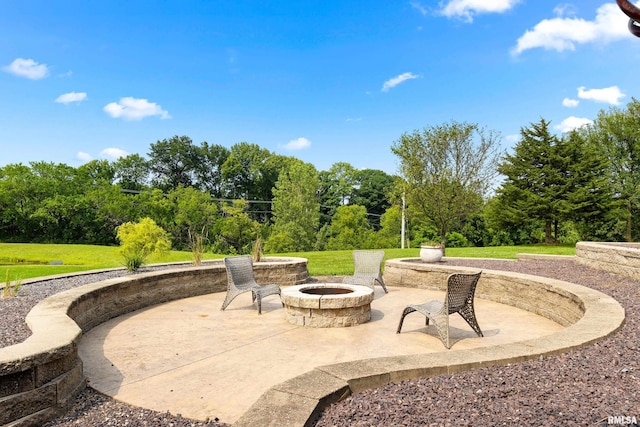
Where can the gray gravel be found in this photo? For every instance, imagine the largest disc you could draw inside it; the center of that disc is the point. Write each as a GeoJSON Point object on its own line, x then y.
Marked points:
{"type": "Point", "coordinates": [579, 388]}
{"type": "Point", "coordinates": [91, 408]}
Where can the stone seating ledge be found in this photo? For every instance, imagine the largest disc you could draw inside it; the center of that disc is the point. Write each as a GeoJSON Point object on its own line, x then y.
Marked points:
{"type": "Point", "coordinates": [40, 377]}
{"type": "Point", "coordinates": [588, 316]}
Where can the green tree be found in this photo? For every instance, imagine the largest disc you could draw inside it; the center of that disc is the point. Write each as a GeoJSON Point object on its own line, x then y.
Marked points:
{"type": "Point", "coordinates": [371, 190]}
{"type": "Point", "coordinates": [350, 229]}
{"type": "Point", "coordinates": [447, 170]}
{"type": "Point", "coordinates": [243, 170]}
{"type": "Point", "coordinates": [250, 173]}
{"type": "Point", "coordinates": [617, 133]}
{"type": "Point", "coordinates": [17, 202]}
{"type": "Point", "coordinates": [209, 170]}
{"type": "Point", "coordinates": [296, 209]}
{"type": "Point", "coordinates": [235, 231]}
{"type": "Point", "coordinates": [173, 162]}
{"type": "Point", "coordinates": [590, 192]}
{"type": "Point", "coordinates": [110, 207]}
{"type": "Point", "coordinates": [95, 173]}
{"type": "Point", "coordinates": [389, 234]}
{"type": "Point", "coordinates": [140, 240]}
{"type": "Point", "coordinates": [551, 180]}
{"type": "Point", "coordinates": [195, 215]}
{"type": "Point", "coordinates": [536, 180]}
{"type": "Point", "coordinates": [336, 189]}
{"type": "Point", "coordinates": [132, 172]}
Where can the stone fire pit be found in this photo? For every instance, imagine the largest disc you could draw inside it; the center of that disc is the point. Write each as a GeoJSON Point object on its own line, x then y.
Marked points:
{"type": "Point", "coordinates": [327, 305]}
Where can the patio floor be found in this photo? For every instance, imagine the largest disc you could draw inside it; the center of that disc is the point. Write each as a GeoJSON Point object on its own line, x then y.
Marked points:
{"type": "Point", "coordinates": [188, 357]}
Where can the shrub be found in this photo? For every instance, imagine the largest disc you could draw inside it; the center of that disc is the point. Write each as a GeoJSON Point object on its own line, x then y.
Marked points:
{"type": "Point", "coordinates": [139, 240]}
{"type": "Point", "coordinates": [10, 290]}
{"type": "Point", "coordinates": [456, 240]}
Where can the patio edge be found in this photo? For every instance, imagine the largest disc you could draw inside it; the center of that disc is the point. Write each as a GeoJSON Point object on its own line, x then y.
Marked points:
{"type": "Point", "coordinates": [300, 400]}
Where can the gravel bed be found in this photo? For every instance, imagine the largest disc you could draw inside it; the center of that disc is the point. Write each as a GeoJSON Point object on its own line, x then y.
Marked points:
{"type": "Point", "coordinates": [91, 408]}
{"type": "Point", "coordinates": [583, 387]}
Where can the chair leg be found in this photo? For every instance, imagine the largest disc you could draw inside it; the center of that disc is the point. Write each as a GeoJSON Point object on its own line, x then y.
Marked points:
{"type": "Point", "coordinates": [384, 287]}
{"type": "Point", "coordinates": [406, 311]}
{"type": "Point", "coordinates": [258, 298]}
{"type": "Point", "coordinates": [227, 300]}
{"type": "Point", "coordinates": [469, 315]}
{"type": "Point", "coordinates": [442, 326]}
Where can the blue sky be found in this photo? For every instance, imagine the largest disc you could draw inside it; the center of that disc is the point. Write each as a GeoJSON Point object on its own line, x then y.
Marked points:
{"type": "Point", "coordinates": [325, 81]}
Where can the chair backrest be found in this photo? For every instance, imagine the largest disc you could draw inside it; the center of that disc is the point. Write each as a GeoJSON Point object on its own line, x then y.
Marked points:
{"type": "Point", "coordinates": [240, 271]}
{"type": "Point", "coordinates": [368, 262]}
{"type": "Point", "coordinates": [461, 288]}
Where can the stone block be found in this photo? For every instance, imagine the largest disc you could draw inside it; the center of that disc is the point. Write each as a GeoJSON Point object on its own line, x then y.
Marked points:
{"type": "Point", "coordinates": [69, 385]}
{"type": "Point", "coordinates": [46, 372]}
{"type": "Point", "coordinates": [17, 382]}
{"type": "Point", "coordinates": [22, 404]}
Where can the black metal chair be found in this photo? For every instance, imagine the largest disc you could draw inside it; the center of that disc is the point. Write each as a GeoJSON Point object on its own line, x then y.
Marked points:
{"type": "Point", "coordinates": [461, 288]}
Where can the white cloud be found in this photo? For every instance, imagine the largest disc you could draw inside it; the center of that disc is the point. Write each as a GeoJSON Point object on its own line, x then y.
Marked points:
{"type": "Point", "coordinates": [298, 144]}
{"type": "Point", "coordinates": [609, 95]}
{"type": "Point", "coordinates": [568, 102]}
{"type": "Point", "coordinates": [85, 157]}
{"type": "Point", "coordinates": [564, 33]}
{"type": "Point", "coordinates": [130, 108]}
{"type": "Point", "coordinates": [571, 123]}
{"type": "Point", "coordinates": [395, 81]}
{"type": "Point", "coordinates": [564, 10]}
{"type": "Point", "coordinates": [27, 68]}
{"type": "Point", "coordinates": [419, 7]}
{"type": "Point", "coordinates": [466, 9]}
{"type": "Point", "coordinates": [514, 137]}
{"type": "Point", "coordinates": [113, 153]}
{"type": "Point", "coordinates": [70, 97]}
{"type": "Point", "coordinates": [354, 119]}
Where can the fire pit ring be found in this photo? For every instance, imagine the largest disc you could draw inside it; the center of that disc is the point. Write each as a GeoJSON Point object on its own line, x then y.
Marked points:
{"type": "Point", "coordinates": [327, 305]}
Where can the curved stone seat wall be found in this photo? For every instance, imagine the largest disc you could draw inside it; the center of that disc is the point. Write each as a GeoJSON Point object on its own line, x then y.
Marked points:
{"type": "Point", "coordinates": [546, 297]}
{"type": "Point", "coordinates": [619, 258]}
{"type": "Point", "coordinates": [40, 377]}
{"type": "Point", "coordinates": [588, 315]}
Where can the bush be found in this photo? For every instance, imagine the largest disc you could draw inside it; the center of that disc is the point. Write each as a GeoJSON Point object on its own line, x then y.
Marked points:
{"type": "Point", "coordinates": [456, 240]}
{"type": "Point", "coordinates": [139, 240]}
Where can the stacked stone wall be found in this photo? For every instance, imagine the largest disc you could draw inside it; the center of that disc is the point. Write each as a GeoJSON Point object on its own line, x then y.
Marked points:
{"type": "Point", "coordinates": [40, 378]}
{"type": "Point", "coordinates": [618, 258]}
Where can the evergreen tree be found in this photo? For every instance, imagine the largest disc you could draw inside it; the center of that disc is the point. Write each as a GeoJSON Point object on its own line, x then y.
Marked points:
{"type": "Point", "coordinates": [535, 180]}
{"type": "Point", "coordinates": [550, 179]}
{"type": "Point", "coordinates": [617, 134]}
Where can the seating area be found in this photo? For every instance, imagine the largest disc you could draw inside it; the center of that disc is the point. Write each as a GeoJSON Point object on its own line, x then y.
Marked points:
{"type": "Point", "coordinates": [367, 267]}
{"type": "Point", "coordinates": [580, 316]}
{"type": "Point", "coordinates": [461, 289]}
{"type": "Point", "coordinates": [240, 279]}
{"type": "Point", "coordinates": [234, 359]}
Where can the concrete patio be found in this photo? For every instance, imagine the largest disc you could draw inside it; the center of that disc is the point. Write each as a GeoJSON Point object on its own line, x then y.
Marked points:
{"type": "Point", "coordinates": [188, 357]}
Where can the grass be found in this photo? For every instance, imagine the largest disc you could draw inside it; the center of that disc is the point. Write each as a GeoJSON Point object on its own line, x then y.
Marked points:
{"type": "Point", "coordinates": [328, 263]}
{"type": "Point", "coordinates": [338, 263]}
{"type": "Point", "coordinates": [20, 258]}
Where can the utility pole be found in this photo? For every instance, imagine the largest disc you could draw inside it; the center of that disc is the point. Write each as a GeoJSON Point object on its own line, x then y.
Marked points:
{"type": "Point", "coordinates": [402, 227]}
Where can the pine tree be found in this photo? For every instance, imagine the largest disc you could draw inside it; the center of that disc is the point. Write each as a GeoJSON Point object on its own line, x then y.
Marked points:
{"type": "Point", "coordinates": [551, 179]}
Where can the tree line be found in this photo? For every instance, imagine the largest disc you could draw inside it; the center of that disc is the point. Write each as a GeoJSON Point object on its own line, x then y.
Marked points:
{"type": "Point", "coordinates": [457, 188]}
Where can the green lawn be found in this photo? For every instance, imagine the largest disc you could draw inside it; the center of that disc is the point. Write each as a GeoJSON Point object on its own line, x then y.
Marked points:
{"type": "Point", "coordinates": [16, 258]}
{"type": "Point", "coordinates": [338, 263]}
